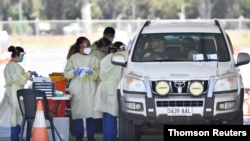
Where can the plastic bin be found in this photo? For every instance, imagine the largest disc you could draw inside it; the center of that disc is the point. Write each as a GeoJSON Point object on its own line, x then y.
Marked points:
{"type": "Point", "coordinates": [60, 81]}
{"type": "Point", "coordinates": [60, 85]}
{"type": "Point", "coordinates": [47, 87]}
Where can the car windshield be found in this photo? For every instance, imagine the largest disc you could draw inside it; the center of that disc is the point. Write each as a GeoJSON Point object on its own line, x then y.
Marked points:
{"type": "Point", "coordinates": [180, 47]}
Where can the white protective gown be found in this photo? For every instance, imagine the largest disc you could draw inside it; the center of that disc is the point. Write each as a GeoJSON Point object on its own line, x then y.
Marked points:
{"type": "Point", "coordinates": [82, 89]}
{"type": "Point", "coordinates": [94, 46]}
{"type": "Point", "coordinates": [99, 54]}
{"type": "Point", "coordinates": [15, 79]}
{"type": "Point", "coordinates": [106, 95]}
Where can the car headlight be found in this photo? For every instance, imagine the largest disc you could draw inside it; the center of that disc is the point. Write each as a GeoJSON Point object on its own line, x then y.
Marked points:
{"type": "Point", "coordinates": [226, 84]}
{"type": "Point", "coordinates": [196, 88]}
{"type": "Point", "coordinates": [135, 85]}
{"type": "Point", "coordinates": [162, 88]}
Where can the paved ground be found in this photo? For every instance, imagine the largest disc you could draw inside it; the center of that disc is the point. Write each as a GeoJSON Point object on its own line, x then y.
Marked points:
{"type": "Point", "coordinates": [99, 138]}
{"type": "Point", "coordinates": [62, 125]}
{"type": "Point", "coordinates": [4, 133]}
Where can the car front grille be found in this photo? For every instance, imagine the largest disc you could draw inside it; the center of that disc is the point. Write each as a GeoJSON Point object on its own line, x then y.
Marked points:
{"type": "Point", "coordinates": [193, 103]}
{"type": "Point", "coordinates": [185, 87]}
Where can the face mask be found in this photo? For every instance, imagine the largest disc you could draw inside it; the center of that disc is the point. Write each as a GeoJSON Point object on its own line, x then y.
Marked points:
{"type": "Point", "coordinates": [110, 39]}
{"type": "Point", "coordinates": [20, 59]}
{"type": "Point", "coordinates": [87, 50]}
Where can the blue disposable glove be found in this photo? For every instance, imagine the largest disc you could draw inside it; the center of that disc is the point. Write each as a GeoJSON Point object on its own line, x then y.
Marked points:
{"type": "Point", "coordinates": [89, 72]}
{"type": "Point", "coordinates": [76, 72]}
{"type": "Point", "coordinates": [82, 72]}
{"type": "Point", "coordinates": [35, 74]}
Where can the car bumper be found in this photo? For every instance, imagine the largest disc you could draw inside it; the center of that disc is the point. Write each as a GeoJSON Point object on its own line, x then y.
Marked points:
{"type": "Point", "coordinates": [154, 110]}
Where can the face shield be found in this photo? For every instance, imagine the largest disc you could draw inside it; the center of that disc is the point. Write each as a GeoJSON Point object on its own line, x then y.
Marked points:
{"type": "Point", "coordinates": [21, 56]}
{"type": "Point", "coordinates": [123, 47]}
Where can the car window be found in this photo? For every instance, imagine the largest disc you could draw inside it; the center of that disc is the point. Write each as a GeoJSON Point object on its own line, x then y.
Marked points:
{"type": "Point", "coordinates": [181, 47]}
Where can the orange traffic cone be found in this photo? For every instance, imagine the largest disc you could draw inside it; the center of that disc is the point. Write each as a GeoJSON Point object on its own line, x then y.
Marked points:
{"type": "Point", "coordinates": [40, 132]}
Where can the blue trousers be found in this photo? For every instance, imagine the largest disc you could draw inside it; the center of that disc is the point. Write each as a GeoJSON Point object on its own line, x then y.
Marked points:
{"type": "Point", "coordinates": [109, 127]}
{"type": "Point", "coordinates": [15, 131]}
{"type": "Point", "coordinates": [79, 128]}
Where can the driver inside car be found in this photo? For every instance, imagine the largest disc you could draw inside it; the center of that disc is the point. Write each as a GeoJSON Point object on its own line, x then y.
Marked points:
{"type": "Point", "coordinates": [157, 51]}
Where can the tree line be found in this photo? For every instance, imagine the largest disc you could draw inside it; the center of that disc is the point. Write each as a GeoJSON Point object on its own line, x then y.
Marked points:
{"type": "Point", "coordinates": [122, 9]}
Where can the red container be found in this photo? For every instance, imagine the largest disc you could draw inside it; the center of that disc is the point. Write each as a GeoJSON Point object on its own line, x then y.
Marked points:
{"type": "Point", "coordinates": [60, 86]}
{"type": "Point", "coordinates": [58, 108]}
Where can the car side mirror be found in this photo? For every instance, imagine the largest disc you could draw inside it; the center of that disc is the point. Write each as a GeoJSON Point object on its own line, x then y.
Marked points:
{"type": "Point", "coordinates": [242, 59]}
{"type": "Point", "coordinates": [118, 59]}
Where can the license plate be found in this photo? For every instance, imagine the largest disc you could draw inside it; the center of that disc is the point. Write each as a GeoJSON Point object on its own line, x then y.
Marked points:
{"type": "Point", "coordinates": [179, 111]}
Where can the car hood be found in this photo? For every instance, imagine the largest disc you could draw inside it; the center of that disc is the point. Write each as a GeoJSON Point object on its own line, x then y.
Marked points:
{"type": "Point", "coordinates": [179, 69]}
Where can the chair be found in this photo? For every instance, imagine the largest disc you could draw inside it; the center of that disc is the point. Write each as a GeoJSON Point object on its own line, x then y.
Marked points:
{"type": "Point", "coordinates": [27, 102]}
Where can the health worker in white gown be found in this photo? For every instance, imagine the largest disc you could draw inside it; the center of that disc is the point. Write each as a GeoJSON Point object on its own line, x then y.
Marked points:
{"type": "Point", "coordinates": [15, 78]}
{"type": "Point", "coordinates": [106, 95]}
{"type": "Point", "coordinates": [82, 69]}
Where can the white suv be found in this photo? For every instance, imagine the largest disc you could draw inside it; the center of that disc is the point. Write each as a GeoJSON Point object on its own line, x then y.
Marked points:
{"type": "Point", "coordinates": [195, 80]}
